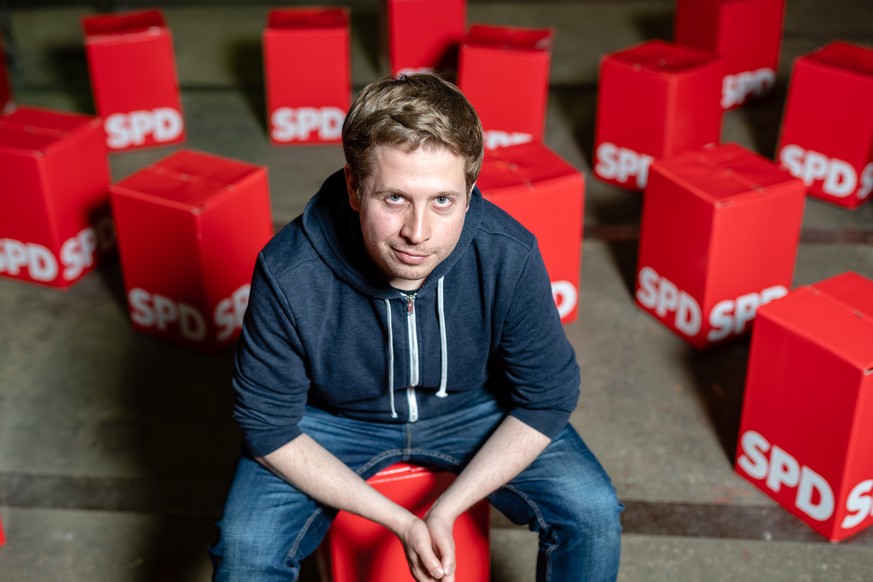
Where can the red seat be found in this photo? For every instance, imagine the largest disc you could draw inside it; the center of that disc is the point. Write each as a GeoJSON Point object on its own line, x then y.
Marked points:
{"type": "Point", "coordinates": [359, 550]}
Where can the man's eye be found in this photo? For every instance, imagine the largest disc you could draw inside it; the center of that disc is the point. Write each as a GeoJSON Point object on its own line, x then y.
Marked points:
{"type": "Point", "coordinates": [443, 201]}
{"type": "Point", "coordinates": [394, 198]}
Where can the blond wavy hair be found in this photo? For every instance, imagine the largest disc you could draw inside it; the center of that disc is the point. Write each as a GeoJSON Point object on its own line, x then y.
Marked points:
{"type": "Point", "coordinates": [412, 111]}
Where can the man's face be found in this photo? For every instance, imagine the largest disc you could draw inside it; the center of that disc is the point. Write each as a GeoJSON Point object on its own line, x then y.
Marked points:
{"type": "Point", "coordinates": [412, 210]}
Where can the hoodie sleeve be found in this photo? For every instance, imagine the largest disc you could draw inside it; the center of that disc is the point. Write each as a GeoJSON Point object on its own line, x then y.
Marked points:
{"type": "Point", "coordinates": [538, 360]}
{"type": "Point", "coordinates": [270, 379]}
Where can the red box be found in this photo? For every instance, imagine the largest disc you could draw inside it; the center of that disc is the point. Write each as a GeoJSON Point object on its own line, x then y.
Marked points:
{"type": "Point", "coordinates": [654, 100]}
{"type": "Point", "coordinates": [719, 236]}
{"type": "Point", "coordinates": [308, 75]}
{"type": "Point", "coordinates": [746, 33]}
{"type": "Point", "coordinates": [54, 201]}
{"type": "Point", "coordinates": [504, 72]}
{"type": "Point", "coordinates": [133, 77]}
{"type": "Point", "coordinates": [423, 35]}
{"type": "Point", "coordinates": [833, 155]}
{"type": "Point", "coordinates": [806, 435]}
{"type": "Point", "coordinates": [546, 195]}
{"type": "Point", "coordinates": [357, 549]}
{"type": "Point", "coordinates": [189, 230]}
{"type": "Point", "coordinates": [6, 103]}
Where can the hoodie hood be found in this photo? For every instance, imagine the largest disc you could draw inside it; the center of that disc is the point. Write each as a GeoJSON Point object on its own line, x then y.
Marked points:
{"type": "Point", "coordinates": [334, 230]}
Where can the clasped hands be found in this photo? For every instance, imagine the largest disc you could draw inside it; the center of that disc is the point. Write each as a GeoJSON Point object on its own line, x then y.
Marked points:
{"type": "Point", "coordinates": [430, 547]}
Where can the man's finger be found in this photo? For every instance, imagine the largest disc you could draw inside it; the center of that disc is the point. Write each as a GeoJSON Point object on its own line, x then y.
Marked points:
{"type": "Point", "coordinates": [444, 546]}
{"type": "Point", "coordinates": [430, 563]}
{"type": "Point", "coordinates": [424, 563]}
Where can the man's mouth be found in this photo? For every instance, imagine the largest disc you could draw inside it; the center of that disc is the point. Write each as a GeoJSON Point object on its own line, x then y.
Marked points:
{"type": "Point", "coordinates": [410, 258]}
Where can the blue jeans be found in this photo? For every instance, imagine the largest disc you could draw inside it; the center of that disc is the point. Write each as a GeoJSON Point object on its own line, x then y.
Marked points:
{"type": "Point", "coordinates": [268, 526]}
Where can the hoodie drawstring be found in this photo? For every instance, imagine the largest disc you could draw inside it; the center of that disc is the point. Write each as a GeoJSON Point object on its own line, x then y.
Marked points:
{"type": "Point", "coordinates": [390, 359]}
{"type": "Point", "coordinates": [444, 349]}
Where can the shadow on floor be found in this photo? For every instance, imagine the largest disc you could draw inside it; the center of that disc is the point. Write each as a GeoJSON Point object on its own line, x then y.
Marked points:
{"type": "Point", "coordinates": [179, 429]}
{"type": "Point", "coordinates": [764, 119]}
{"type": "Point", "coordinates": [655, 23]}
{"type": "Point", "coordinates": [719, 375]}
{"type": "Point", "coordinates": [247, 63]}
{"type": "Point", "coordinates": [70, 66]}
{"type": "Point", "coordinates": [366, 30]}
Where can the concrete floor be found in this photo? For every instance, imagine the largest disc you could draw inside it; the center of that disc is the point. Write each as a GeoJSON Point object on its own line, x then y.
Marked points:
{"type": "Point", "coordinates": [116, 448]}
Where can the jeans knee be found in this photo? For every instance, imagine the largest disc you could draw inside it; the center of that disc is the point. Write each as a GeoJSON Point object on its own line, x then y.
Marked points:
{"type": "Point", "coordinates": [241, 555]}
{"type": "Point", "coordinates": [598, 512]}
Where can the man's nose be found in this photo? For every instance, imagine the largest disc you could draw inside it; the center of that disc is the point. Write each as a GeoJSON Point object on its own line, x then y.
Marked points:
{"type": "Point", "coordinates": [416, 228]}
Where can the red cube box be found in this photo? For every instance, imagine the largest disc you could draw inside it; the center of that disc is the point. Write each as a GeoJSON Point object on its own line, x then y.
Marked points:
{"type": "Point", "coordinates": [546, 195]}
{"type": "Point", "coordinates": [746, 33]}
{"type": "Point", "coordinates": [54, 200]}
{"type": "Point", "coordinates": [833, 86]}
{"type": "Point", "coordinates": [358, 549]}
{"type": "Point", "coordinates": [654, 100]}
{"type": "Point", "coordinates": [308, 75]}
{"type": "Point", "coordinates": [719, 236]}
{"type": "Point", "coordinates": [6, 103]}
{"type": "Point", "coordinates": [497, 62]}
{"type": "Point", "coordinates": [423, 35]}
{"type": "Point", "coordinates": [189, 230]}
{"type": "Point", "coordinates": [133, 78]}
{"type": "Point", "coordinates": [806, 435]}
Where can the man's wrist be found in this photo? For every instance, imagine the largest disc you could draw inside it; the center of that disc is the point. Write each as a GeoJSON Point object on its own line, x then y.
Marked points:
{"type": "Point", "coordinates": [400, 520]}
{"type": "Point", "coordinates": [442, 511]}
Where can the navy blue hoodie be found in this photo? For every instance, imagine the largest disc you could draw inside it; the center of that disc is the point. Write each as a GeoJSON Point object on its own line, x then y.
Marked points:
{"type": "Point", "coordinates": [321, 328]}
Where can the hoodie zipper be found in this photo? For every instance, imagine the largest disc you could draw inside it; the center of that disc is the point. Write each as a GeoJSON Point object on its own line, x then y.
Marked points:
{"type": "Point", "coordinates": [413, 357]}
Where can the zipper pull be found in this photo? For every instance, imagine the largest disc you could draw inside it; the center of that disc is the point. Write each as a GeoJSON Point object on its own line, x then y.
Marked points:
{"type": "Point", "coordinates": [410, 303]}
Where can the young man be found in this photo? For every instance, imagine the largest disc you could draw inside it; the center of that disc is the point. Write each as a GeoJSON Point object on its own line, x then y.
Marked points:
{"type": "Point", "coordinates": [404, 318]}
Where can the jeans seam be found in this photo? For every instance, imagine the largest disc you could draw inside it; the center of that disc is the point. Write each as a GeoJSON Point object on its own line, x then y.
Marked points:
{"type": "Point", "coordinates": [542, 524]}
{"type": "Point", "coordinates": [548, 560]}
{"type": "Point", "coordinates": [296, 545]}
{"type": "Point", "coordinates": [537, 513]}
{"type": "Point", "coordinates": [378, 459]}
{"type": "Point", "coordinates": [435, 454]}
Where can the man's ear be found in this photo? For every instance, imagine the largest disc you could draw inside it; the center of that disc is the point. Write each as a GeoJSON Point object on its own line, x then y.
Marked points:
{"type": "Point", "coordinates": [469, 196]}
{"type": "Point", "coordinates": [352, 188]}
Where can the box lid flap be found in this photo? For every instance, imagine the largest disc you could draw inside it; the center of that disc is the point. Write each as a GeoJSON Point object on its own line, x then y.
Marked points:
{"type": "Point", "coordinates": [511, 37]}
{"type": "Point", "coordinates": [134, 23]}
{"type": "Point", "coordinates": [521, 165]}
{"type": "Point", "coordinates": [305, 18]}
{"type": "Point", "coordinates": [846, 56]}
{"type": "Point", "coordinates": [660, 56]}
{"type": "Point", "coordinates": [836, 313]}
{"type": "Point", "coordinates": [37, 130]}
{"type": "Point", "coordinates": [188, 178]}
{"type": "Point", "coordinates": [724, 173]}
{"type": "Point", "coordinates": [851, 289]}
